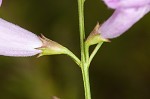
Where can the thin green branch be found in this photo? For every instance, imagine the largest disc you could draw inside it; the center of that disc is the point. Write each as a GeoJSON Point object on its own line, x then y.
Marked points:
{"type": "Point", "coordinates": [95, 51]}
{"type": "Point", "coordinates": [86, 52]}
{"type": "Point", "coordinates": [74, 57]}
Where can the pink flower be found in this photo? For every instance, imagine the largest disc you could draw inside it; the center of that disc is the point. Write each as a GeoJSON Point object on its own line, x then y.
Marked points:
{"type": "Point", "coordinates": [126, 3]}
{"type": "Point", "coordinates": [16, 41]}
{"type": "Point", "coordinates": [127, 13]}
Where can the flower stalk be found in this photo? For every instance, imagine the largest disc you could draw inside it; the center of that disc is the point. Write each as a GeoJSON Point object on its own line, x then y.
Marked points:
{"type": "Point", "coordinates": [50, 47]}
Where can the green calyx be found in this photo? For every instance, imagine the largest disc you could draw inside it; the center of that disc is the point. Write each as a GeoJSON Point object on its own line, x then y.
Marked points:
{"type": "Point", "coordinates": [95, 37]}
{"type": "Point", "coordinates": [50, 47]}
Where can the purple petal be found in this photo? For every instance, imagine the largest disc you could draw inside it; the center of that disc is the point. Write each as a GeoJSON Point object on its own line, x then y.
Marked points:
{"type": "Point", "coordinates": [16, 41]}
{"type": "Point", "coordinates": [121, 21]}
{"type": "Point", "coordinates": [0, 2]}
{"type": "Point", "coordinates": [125, 3]}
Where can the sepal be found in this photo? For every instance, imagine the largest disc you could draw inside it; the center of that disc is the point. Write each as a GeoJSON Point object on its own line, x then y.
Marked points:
{"type": "Point", "coordinates": [50, 47]}
{"type": "Point", "coordinates": [95, 37]}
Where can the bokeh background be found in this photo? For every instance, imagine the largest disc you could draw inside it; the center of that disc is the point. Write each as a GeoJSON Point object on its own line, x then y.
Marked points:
{"type": "Point", "coordinates": [120, 70]}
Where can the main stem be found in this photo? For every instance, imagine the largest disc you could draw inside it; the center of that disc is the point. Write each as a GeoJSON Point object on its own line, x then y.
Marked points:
{"type": "Point", "coordinates": [81, 27]}
{"type": "Point", "coordinates": [84, 54]}
{"type": "Point", "coordinates": [85, 74]}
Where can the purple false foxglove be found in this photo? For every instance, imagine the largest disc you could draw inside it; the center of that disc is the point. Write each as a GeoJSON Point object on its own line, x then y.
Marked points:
{"type": "Point", "coordinates": [16, 41]}
{"type": "Point", "coordinates": [127, 13]}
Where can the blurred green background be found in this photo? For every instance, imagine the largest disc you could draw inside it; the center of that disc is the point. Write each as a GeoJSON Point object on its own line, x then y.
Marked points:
{"type": "Point", "coordinates": [120, 70]}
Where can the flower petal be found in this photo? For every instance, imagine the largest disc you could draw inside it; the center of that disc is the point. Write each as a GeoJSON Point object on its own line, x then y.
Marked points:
{"type": "Point", "coordinates": [121, 21]}
{"type": "Point", "coordinates": [0, 2]}
{"type": "Point", "coordinates": [16, 41]}
{"type": "Point", "coordinates": [125, 3]}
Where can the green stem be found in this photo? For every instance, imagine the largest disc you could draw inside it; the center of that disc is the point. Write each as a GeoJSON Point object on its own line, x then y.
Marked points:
{"type": "Point", "coordinates": [84, 51]}
{"type": "Point", "coordinates": [85, 74]}
{"type": "Point", "coordinates": [74, 57]}
{"type": "Point", "coordinates": [94, 52]}
{"type": "Point", "coordinates": [81, 28]}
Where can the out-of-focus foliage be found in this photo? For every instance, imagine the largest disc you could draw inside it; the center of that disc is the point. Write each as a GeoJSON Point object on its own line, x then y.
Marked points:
{"type": "Point", "coordinates": [120, 70]}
